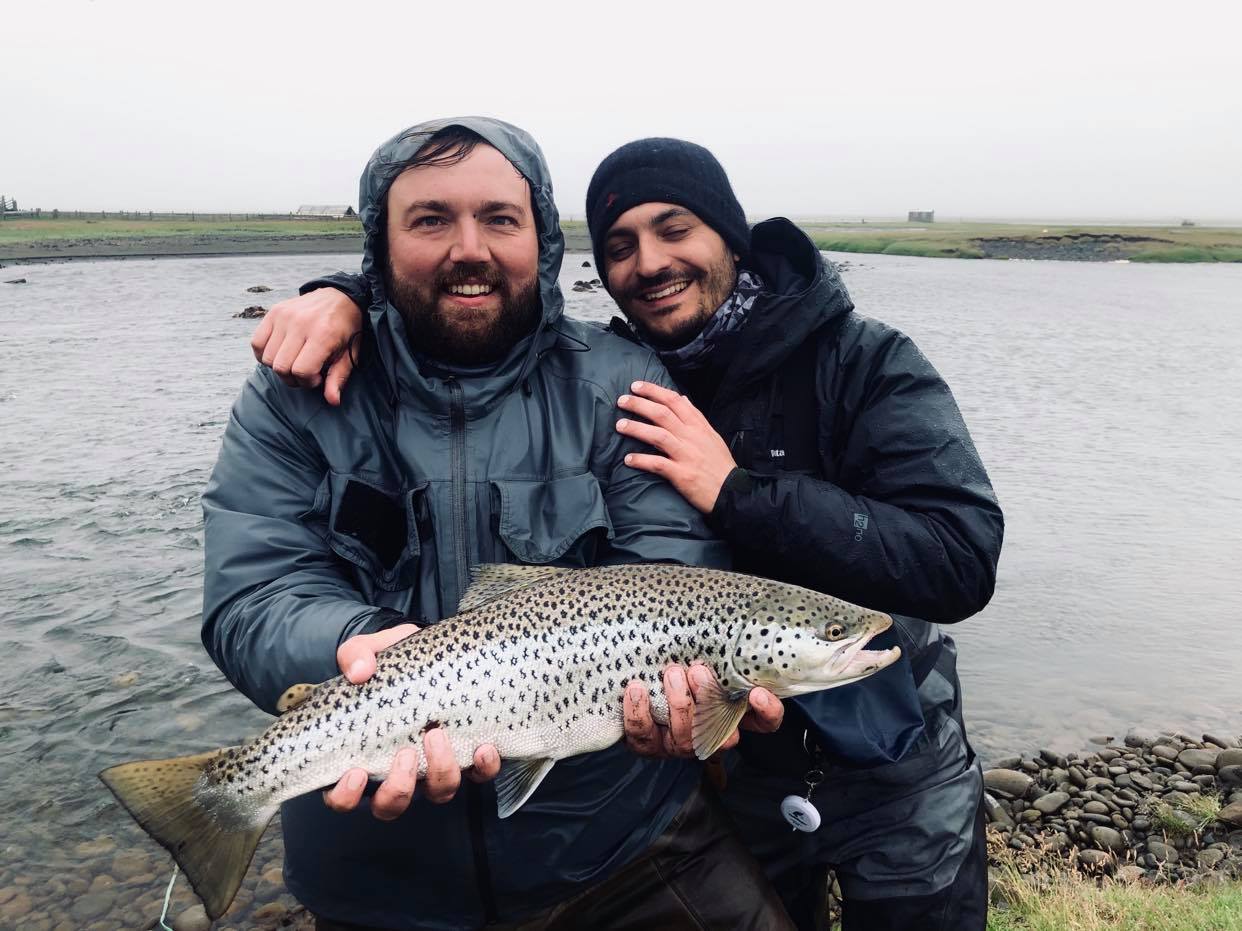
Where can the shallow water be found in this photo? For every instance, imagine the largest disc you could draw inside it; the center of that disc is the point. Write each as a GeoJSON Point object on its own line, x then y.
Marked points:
{"type": "Point", "coordinates": [1103, 399]}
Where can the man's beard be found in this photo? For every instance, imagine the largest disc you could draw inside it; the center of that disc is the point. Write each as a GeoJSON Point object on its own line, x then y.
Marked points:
{"type": "Point", "coordinates": [464, 335]}
{"type": "Point", "coordinates": [716, 283]}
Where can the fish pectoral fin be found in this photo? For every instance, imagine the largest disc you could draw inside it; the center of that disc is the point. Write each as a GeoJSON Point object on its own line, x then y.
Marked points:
{"type": "Point", "coordinates": [293, 696]}
{"type": "Point", "coordinates": [716, 715]}
{"type": "Point", "coordinates": [490, 581]}
{"type": "Point", "coordinates": [517, 782]}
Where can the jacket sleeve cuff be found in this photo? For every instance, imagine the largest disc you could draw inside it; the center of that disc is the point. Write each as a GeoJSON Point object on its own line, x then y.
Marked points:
{"type": "Point", "coordinates": [352, 286]}
{"type": "Point", "coordinates": [736, 483]}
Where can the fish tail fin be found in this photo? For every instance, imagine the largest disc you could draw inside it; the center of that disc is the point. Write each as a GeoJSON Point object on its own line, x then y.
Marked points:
{"type": "Point", "coordinates": [160, 794]}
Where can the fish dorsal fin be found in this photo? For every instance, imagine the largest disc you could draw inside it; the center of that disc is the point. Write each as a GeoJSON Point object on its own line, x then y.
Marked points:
{"type": "Point", "coordinates": [517, 782]}
{"type": "Point", "coordinates": [716, 716]}
{"type": "Point", "coordinates": [490, 581]}
{"type": "Point", "coordinates": [293, 696]}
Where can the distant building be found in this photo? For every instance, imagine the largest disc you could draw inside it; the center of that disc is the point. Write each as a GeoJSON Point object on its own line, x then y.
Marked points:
{"type": "Point", "coordinates": [921, 216]}
{"type": "Point", "coordinates": [326, 211]}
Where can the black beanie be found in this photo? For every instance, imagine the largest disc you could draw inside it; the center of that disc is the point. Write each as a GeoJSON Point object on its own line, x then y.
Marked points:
{"type": "Point", "coordinates": [666, 171]}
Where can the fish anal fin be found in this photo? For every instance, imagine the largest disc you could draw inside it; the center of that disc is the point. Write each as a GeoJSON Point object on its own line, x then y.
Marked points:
{"type": "Point", "coordinates": [716, 715]}
{"type": "Point", "coordinates": [517, 782]}
{"type": "Point", "coordinates": [489, 581]}
{"type": "Point", "coordinates": [293, 696]}
{"type": "Point", "coordinates": [161, 795]}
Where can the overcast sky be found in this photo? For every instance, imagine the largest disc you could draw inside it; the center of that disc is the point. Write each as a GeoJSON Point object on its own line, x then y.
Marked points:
{"type": "Point", "coordinates": [1088, 109]}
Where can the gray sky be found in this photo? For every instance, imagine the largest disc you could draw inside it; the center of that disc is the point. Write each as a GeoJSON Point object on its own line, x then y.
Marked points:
{"type": "Point", "coordinates": [1053, 110]}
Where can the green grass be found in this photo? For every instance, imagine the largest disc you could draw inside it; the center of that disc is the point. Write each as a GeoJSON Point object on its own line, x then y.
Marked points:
{"type": "Point", "coordinates": [1040, 890]}
{"type": "Point", "coordinates": [941, 250]}
{"type": "Point", "coordinates": [941, 240]}
{"type": "Point", "coordinates": [1080, 904]}
{"type": "Point", "coordinates": [978, 240]}
{"type": "Point", "coordinates": [32, 232]}
{"type": "Point", "coordinates": [1190, 254]}
{"type": "Point", "coordinates": [1188, 817]}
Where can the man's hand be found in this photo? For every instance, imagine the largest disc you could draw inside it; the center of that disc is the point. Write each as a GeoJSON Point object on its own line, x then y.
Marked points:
{"type": "Point", "coordinates": [300, 336]}
{"type": "Point", "coordinates": [681, 690]}
{"type": "Point", "coordinates": [696, 460]}
{"type": "Point", "coordinates": [356, 659]}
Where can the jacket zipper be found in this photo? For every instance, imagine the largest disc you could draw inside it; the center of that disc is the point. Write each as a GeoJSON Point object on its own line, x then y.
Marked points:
{"type": "Point", "coordinates": [458, 452]}
{"type": "Point", "coordinates": [474, 800]}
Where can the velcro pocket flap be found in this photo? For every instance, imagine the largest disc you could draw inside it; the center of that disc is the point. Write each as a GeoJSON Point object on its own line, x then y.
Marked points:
{"type": "Point", "coordinates": [540, 521]}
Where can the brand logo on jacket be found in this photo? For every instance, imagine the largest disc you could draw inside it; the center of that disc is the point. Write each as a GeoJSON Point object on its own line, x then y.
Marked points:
{"type": "Point", "coordinates": [861, 523]}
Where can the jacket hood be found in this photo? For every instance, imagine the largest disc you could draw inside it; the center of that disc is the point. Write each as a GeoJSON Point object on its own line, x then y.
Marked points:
{"type": "Point", "coordinates": [524, 153]}
{"type": "Point", "coordinates": [802, 292]}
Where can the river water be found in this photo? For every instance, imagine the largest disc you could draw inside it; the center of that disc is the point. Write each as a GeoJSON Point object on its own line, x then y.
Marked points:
{"type": "Point", "coordinates": [1104, 399]}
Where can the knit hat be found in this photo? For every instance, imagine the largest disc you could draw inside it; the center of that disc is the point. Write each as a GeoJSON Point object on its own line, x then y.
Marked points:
{"type": "Point", "coordinates": [664, 171]}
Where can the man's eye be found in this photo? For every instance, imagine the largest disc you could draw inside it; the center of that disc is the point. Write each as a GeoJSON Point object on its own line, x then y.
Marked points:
{"type": "Point", "coordinates": [617, 253]}
{"type": "Point", "coordinates": [675, 232]}
{"type": "Point", "coordinates": [503, 221]}
{"type": "Point", "coordinates": [427, 221]}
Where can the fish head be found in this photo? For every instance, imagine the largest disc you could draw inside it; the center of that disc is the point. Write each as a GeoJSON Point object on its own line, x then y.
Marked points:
{"type": "Point", "coordinates": [797, 641]}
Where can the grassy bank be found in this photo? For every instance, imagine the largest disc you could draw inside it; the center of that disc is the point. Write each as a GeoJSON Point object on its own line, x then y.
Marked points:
{"type": "Point", "coordinates": [67, 238]}
{"type": "Point", "coordinates": [1017, 241]}
{"type": "Point", "coordinates": [33, 232]}
{"type": "Point", "coordinates": [30, 240]}
{"type": "Point", "coordinates": [1030, 895]}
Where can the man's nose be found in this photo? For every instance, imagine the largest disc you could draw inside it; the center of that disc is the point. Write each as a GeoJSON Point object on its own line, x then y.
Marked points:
{"type": "Point", "coordinates": [652, 259]}
{"type": "Point", "coordinates": [470, 244]}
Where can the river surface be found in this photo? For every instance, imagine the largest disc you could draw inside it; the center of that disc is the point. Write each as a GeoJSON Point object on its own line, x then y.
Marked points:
{"type": "Point", "coordinates": [1104, 399]}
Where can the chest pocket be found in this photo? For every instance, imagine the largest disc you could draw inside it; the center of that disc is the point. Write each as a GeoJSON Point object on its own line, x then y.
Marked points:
{"type": "Point", "coordinates": [376, 529]}
{"type": "Point", "coordinates": [562, 519]}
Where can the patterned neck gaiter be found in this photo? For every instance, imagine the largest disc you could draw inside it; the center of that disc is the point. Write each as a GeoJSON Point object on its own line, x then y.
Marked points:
{"type": "Point", "coordinates": [726, 321]}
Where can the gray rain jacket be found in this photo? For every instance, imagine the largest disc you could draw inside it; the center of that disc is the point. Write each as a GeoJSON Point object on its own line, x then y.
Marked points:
{"type": "Point", "coordinates": [323, 523]}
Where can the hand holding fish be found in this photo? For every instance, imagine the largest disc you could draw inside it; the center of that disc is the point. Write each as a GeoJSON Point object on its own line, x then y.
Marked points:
{"type": "Point", "coordinates": [696, 461]}
{"type": "Point", "coordinates": [356, 659]}
{"type": "Point", "coordinates": [682, 688]}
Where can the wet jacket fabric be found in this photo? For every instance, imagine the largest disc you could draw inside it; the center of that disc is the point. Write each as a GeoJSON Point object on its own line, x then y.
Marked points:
{"type": "Point", "coordinates": [857, 477]}
{"type": "Point", "coordinates": [322, 523]}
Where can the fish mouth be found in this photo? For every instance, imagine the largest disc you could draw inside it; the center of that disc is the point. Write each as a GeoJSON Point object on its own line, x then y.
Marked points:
{"type": "Point", "coordinates": [855, 661]}
{"type": "Point", "coordinates": [859, 663]}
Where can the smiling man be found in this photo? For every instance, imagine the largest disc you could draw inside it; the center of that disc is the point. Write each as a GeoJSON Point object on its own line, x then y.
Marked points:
{"type": "Point", "coordinates": [478, 429]}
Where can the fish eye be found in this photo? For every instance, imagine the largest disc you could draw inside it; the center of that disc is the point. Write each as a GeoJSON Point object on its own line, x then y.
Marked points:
{"type": "Point", "coordinates": [836, 632]}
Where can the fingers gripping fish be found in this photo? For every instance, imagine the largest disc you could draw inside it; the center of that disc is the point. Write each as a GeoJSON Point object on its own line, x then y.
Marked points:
{"type": "Point", "coordinates": [535, 662]}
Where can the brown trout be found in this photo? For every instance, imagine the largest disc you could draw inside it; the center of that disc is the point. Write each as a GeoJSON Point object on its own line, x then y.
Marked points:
{"type": "Point", "coordinates": [536, 661]}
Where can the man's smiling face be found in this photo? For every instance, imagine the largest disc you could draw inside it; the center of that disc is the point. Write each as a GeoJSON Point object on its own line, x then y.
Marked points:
{"type": "Point", "coordinates": [668, 271]}
{"type": "Point", "coordinates": [463, 256]}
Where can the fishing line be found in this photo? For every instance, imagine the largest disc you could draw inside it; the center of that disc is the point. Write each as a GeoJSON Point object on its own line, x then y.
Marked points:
{"type": "Point", "coordinates": [167, 899]}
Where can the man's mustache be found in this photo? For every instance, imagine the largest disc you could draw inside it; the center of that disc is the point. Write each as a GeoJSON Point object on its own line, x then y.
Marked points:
{"type": "Point", "coordinates": [655, 282]}
{"type": "Point", "coordinates": [471, 273]}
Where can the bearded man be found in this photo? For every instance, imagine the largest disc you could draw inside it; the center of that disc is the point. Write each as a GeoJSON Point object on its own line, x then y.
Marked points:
{"type": "Point", "coordinates": [478, 429]}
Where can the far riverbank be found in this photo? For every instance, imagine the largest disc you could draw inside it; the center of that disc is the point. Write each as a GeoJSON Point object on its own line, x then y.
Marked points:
{"type": "Point", "coordinates": [28, 241]}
